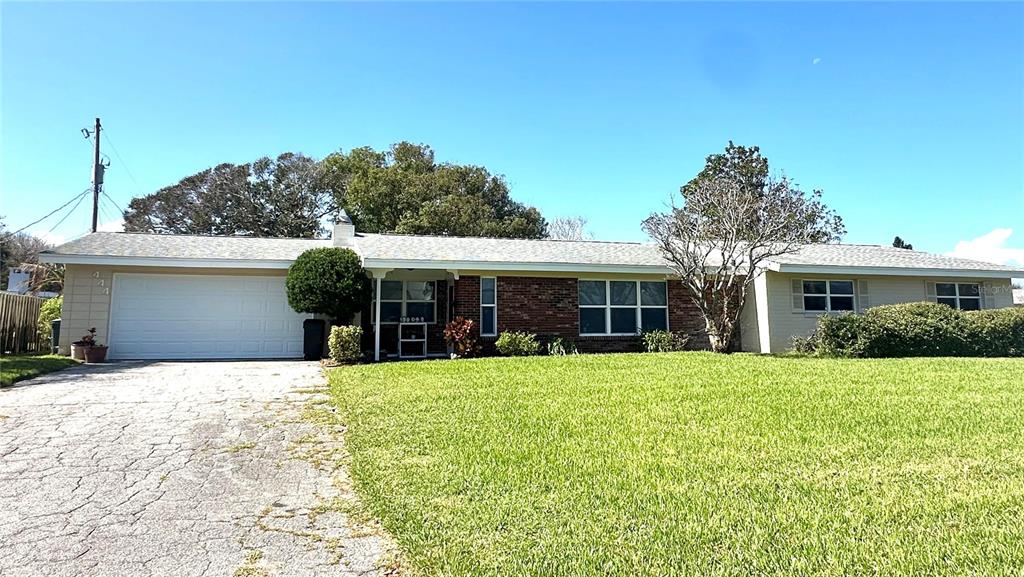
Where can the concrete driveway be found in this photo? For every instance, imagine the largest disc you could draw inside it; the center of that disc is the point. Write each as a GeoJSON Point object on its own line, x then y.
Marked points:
{"type": "Point", "coordinates": [175, 469]}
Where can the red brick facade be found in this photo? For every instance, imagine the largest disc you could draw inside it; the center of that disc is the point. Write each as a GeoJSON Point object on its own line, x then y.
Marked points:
{"type": "Point", "coordinates": [549, 307]}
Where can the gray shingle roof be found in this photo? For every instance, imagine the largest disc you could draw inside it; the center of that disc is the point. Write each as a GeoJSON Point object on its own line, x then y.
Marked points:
{"type": "Point", "coordinates": [132, 245]}
{"type": "Point", "coordinates": [442, 249]}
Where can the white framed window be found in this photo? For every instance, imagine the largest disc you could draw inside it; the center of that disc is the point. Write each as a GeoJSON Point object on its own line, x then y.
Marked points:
{"type": "Point", "coordinates": [622, 307]}
{"type": "Point", "coordinates": [965, 296]}
{"type": "Point", "coordinates": [825, 296]}
{"type": "Point", "coordinates": [488, 306]}
{"type": "Point", "coordinates": [407, 301]}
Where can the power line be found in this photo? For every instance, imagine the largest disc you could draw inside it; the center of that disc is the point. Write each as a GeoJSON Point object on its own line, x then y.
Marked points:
{"type": "Point", "coordinates": [55, 211]}
{"type": "Point", "coordinates": [118, 206]}
{"type": "Point", "coordinates": [106, 135]}
{"type": "Point", "coordinates": [70, 212]}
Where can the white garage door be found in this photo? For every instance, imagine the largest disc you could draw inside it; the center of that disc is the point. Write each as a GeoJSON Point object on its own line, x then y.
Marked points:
{"type": "Point", "coordinates": [167, 316]}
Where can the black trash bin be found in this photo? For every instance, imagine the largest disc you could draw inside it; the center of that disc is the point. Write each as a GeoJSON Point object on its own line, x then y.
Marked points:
{"type": "Point", "coordinates": [55, 335]}
{"type": "Point", "coordinates": [313, 339]}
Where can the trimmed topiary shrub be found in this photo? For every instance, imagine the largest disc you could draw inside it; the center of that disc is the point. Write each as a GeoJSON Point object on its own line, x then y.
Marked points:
{"type": "Point", "coordinates": [343, 344]}
{"type": "Point", "coordinates": [328, 281]}
{"type": "Point", "coordinates": [517, 344]}
{"type": "Point", "coordinates": [664, 341]}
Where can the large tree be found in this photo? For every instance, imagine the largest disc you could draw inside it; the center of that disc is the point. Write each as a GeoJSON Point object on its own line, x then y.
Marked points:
{"type": "Point", "coordinates": [282, 197]}
{"type": "Point", "coordinates": [405, 190]}
{"type": "Point", "coordinates": [21, 248]}
{"type": "Point", "coordinates": [733, 218]}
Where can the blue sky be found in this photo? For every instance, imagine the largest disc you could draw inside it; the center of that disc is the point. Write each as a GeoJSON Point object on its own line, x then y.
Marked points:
{"type": "Point", "coordinates": [909, 116]}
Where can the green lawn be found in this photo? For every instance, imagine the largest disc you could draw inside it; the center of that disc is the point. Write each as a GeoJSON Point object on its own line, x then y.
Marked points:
{"type": "Point", "coordinates": [19, 367]}
{"type": "Point", "coordinates": [692, 464]}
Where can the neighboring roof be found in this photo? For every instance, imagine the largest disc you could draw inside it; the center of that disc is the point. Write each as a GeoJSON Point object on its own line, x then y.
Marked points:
{"type": "Point", "coordinates": [444, 252]}
{"type": "Point", "coordinates": [1018, 297]}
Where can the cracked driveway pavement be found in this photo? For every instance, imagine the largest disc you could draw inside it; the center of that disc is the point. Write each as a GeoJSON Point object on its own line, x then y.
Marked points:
{"type": "Point", "coordinates": [174, 469]}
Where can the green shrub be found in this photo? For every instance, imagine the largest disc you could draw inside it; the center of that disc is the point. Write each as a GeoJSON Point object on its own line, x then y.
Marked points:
{"type": "Point", "coordinates": [345, 343]}
{"type": "Point", "coordinates": [664, 341]}
{"type": "Point", "coordinates": [921, 330]}
{"type": "Point", "coordinates": [806, 345]}
{"type": "Point", "coordinates": [837, 336]}
{"type": "Point", "coordinates": [559, 347]}
{"type": "Point", "coordinates": [517, 344]}
{"type": "Point", "coordinates": [912, 330]}
{"type": "Point", "coordinates": [328, 281]}
{"type": "Point", "coordinates": [48, 312]}
{"type": "Point", "coordinates": [996, 333]}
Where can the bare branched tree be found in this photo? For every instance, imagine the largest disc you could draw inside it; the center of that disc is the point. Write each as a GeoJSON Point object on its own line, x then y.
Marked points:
{"type": "Point", "coordinates": [568, 228]}
{"type": "Point", "coordinates": [724, 233]}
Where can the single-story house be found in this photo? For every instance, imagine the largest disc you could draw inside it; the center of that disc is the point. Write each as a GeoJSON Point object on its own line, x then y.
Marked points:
{"type": "Point", "coordinates": [197, 297]}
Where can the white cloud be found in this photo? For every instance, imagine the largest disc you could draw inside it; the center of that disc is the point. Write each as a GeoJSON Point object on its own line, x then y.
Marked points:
{"type": "Point", "coordinates": [49, 237]}
{"type": "Point", "coordinates": [816, 61]}
{"type": "Point", "coordinates": [990, 247]}
{"type": "Point", "coordinates": [111, 226]}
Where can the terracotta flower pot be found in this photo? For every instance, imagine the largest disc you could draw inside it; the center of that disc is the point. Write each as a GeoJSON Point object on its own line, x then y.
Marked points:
{"type": "Point", "coordinates": [78, 351]}
{"type": "Point", "coordinates": [97, 354]}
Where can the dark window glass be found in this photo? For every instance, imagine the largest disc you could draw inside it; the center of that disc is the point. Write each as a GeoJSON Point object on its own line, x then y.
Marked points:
{"type": "Point", "coordinates": [391, 290]}
{"type": "Point", "coordinates": [592, 321]}
{"type": "Point", "coordinates": [412, 332]}
{"type": "Point", "coordinates": [652, 294]}
{"type": "Point", "coordinates": [969, 290]}
{"type": "Point", "coordinates": [423, 311]}
{"type": "Point", "coordinates": [487, 291]}
{"type": "Point", "coordinates": [592, 292]}
{"type": "Point", "coordinates": [653, 320]}
{"type": "Point", "coordinates": [970, 304]}
{"type": "Point", "coordinates": [814, 287]}
{"type": "Point", "coordinates": [487, 321]}
{"type": "Point", "coordinates": [950, 302]}
{"type": "Point", "coordinates": [945, 289]}
{"type": "Point", "coordinates": [623, 292]}
{"type": "Point", "coordinates": [841, 287]}
{"type": "Point", "coordinates": [624, 320]}
{"type": "Point", "coordinates": [813, 303]}
{"type": "Point", "coordinates": [842, 303]}
{"type": "Point", "coordinates": [390, 312]}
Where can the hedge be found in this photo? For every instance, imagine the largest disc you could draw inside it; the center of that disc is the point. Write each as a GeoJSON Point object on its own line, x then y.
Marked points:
{"type": "Point", "coordinates": [921, 330]}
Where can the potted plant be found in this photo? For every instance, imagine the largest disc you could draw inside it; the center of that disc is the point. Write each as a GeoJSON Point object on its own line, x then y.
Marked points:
{"type": "Point", "coordinates": [92, 352]}
{"type": "Point", "coordinates": [78, 347]}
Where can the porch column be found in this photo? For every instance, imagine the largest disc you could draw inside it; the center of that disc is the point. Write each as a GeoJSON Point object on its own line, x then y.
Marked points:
{"type": "Point", "coordinates": [378, 276]}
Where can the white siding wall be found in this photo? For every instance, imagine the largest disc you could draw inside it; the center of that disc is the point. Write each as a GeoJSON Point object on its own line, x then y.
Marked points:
{"type": "Point", "coordinates": [785, 323]}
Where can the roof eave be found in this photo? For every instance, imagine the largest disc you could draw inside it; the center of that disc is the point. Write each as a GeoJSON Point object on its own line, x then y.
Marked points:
{"type": "Point", "coordinates": [894, 271]}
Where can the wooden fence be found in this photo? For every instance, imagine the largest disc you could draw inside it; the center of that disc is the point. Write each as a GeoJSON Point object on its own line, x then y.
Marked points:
{"type": "Point", "coordinates": [19, 315]}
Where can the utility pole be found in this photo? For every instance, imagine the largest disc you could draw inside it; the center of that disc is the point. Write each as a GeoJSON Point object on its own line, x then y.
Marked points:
{"type": "Point", "coordinates": [97, 177]}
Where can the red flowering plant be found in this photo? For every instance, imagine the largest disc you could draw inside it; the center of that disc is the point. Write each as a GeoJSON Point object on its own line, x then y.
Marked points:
{"type": "Point", "coordinates": [459, 336]}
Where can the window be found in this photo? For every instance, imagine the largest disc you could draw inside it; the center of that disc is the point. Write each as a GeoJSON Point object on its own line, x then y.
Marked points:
{"type": "Point", "coordinates": [827, 295]}
{"type": "Point", "coordinates": [622, 307]}
{"type": "Point", "coordinates": [407, 301]}
{"type": "Point", "coordinates": [488, 306]}
{"type": "Point", "coordinates": [963, 296]}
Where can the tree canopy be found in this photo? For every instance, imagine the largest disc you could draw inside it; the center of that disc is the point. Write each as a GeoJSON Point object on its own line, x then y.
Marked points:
{"type": "Point", "coordinates": [405, 190]}
{"type": "Point", "coordinates": [278, 197]}
{"type": "Point", "coordinates": [900, 243]}
{"type": "Point", "coordinates": [733, 218]}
